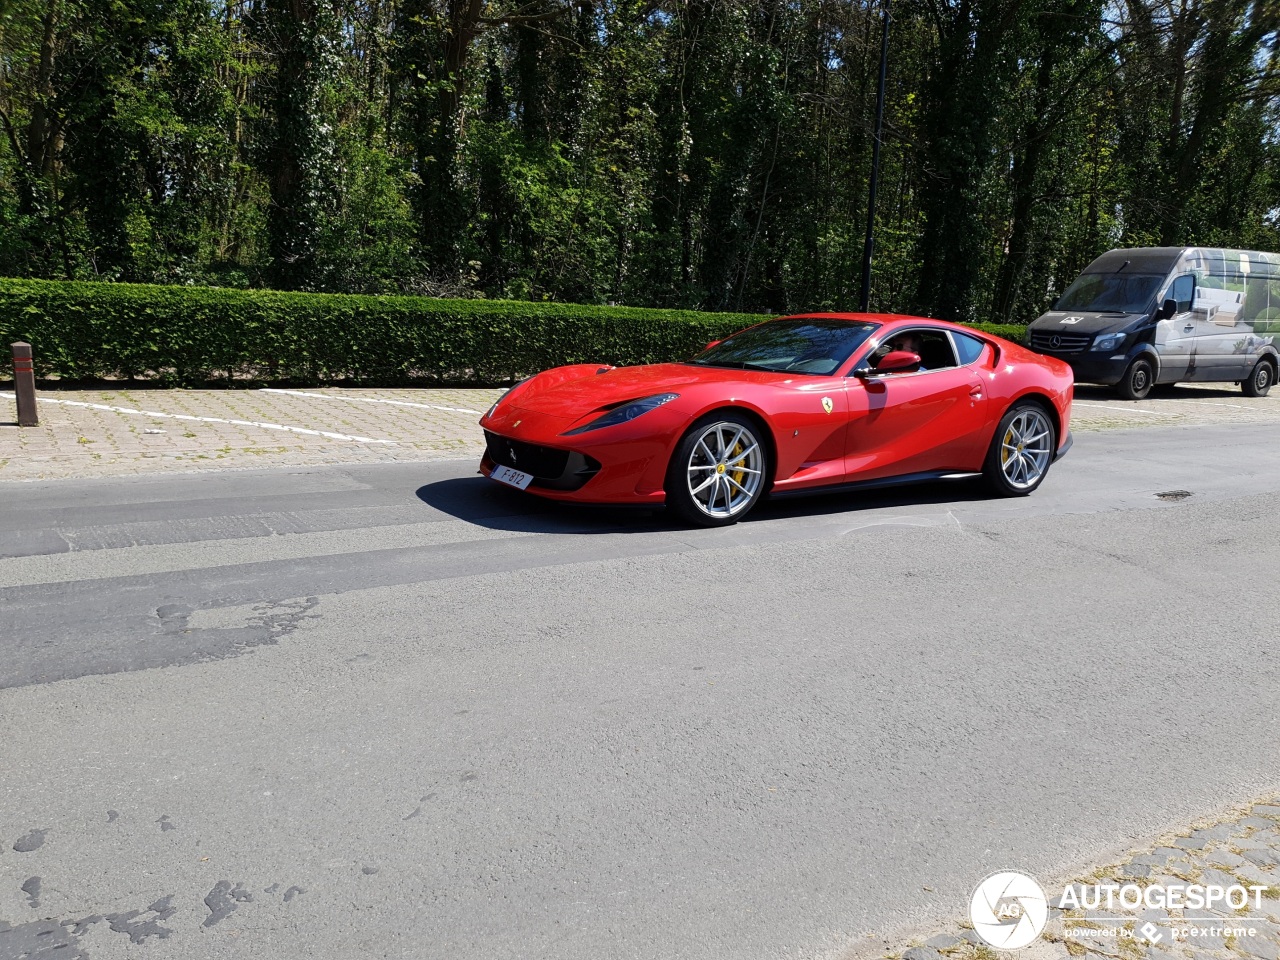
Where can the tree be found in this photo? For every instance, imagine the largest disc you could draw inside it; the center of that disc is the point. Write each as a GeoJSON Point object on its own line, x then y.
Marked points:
{"type": "Point", "coordinates": [297, 140]}
{"type": "Point", "coordinates": [971, 64]}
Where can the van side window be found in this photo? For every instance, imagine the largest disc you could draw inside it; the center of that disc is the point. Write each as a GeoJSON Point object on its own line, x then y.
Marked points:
{"type": "Point", "coordinates": [1183, 290]}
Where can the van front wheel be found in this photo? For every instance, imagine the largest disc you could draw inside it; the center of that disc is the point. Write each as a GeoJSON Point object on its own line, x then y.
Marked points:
{"type": "Point", "coordinates": [1259, 382]}
{"type": "Point", "coordinates": [1137, 381]}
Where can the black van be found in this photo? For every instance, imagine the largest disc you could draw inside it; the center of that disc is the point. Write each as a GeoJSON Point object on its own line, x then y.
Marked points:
{"type": "Point", "coordinates": [1150, 315]}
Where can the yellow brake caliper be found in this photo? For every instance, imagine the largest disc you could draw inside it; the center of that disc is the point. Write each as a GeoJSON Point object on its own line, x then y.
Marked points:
{"type": "Point", "coordinates": [739, 474]}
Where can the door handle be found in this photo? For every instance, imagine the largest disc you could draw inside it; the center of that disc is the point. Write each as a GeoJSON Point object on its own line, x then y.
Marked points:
{"type": "Point", "coordinates": [1189, 326]}
{"type": "Point", "coordinates": [976, 392]}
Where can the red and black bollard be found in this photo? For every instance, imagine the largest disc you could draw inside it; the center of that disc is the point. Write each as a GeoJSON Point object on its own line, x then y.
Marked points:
{"type": "Point", "coordinates": [24, 385]}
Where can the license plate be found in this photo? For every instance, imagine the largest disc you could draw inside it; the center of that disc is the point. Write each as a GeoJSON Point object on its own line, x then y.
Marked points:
{"type": "Point", "coordinates": [512, 478]}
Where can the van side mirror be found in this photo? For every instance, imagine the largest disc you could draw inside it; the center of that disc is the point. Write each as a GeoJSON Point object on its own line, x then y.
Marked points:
{"type": "Point", "coordinates": [1168, 309]}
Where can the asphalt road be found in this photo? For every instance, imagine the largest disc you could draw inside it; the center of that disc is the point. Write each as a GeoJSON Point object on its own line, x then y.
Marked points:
{"type": "Point", "coordinates": [398, 711]}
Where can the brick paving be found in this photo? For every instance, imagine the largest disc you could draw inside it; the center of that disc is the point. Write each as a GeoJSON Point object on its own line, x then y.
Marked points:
{"type": "Point", "coordinates": [1242, 849]}
{"type": "Point", "coordinates": [94, 433]}
{"type": "Point", "coordinates": [1096, 408]}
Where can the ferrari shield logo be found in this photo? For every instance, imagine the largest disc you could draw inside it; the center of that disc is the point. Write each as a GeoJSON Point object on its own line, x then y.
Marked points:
{"type": "Point", "coordinates": [827, 404]}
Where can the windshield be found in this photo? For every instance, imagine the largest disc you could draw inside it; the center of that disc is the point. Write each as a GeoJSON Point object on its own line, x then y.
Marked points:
{"type": "Point", "coordinates": [799, 345]}
{"type": "Point", "coordinates": [1111, 292]}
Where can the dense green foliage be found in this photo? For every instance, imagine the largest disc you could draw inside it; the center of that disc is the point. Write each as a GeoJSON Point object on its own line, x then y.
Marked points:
{"type": "Point", "coordinates": [709, 154]}
{"type": "Point", "coordinates": [193, 335]}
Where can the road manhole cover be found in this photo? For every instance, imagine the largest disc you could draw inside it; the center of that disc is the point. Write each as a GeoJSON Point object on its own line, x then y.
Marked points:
{"type": "Point", "coordinates": [1173, 495]}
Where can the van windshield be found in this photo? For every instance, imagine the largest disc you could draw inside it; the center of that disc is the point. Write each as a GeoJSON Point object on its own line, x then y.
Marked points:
{"type": "Point", "coordinates": [1111, 292]}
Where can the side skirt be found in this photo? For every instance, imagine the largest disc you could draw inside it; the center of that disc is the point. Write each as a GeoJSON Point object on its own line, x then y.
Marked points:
{"type": "Point", "coordinates": [900, 481]}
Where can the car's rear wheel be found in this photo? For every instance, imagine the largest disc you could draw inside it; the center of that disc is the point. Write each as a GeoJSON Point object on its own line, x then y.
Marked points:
{"type": "Point", "coordinates": [1260, 380]}
{"type": "Point", "coordinates": [1021, 451]}
{"type": "Point", "coordinates": [1138, 380]}
{"type": "Point", "coordinates": [718, 471]}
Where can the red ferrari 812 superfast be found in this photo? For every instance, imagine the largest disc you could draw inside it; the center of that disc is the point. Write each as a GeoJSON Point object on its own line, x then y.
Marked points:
{"type": "Point", "coordinates": [790, 405]}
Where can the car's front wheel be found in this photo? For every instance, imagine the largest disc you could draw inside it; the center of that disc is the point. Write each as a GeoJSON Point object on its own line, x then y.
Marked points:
{"type": "Point", "coordinates": [1260, 380]}
{"type": "Point", "coordinates": [718, 471]}
{"type": "Point", "coordinates": [1138, 380]}
{"type": "Point", "coordinates": [1021, 451]}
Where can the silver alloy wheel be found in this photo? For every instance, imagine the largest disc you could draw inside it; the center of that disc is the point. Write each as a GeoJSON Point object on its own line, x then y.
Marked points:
{"type": "Point", "coordinates": [1024, 449]}
{"type": "Point", "coordinates": [725, 469]}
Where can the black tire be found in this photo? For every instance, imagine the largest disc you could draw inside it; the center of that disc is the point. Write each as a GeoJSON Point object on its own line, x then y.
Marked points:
{"type": "Point", "coordinates": [1137, 381]}
{"type": "Point", "coordinates": [1026, 434]}
{"type": "Point", "coordinates": [1258, 383]}
{"type": "Point", "coordinates": [724, 453]}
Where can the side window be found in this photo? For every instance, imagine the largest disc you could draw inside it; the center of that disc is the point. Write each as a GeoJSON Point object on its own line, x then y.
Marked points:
{"type": "Point", "coordinates": [1182, 291]}
{"type": "Point", "coordinates": [969, 348]}
{"type": "Point", "coordinates": [933, 347]}
{"type": "Point", "coordinates": [935, 350]}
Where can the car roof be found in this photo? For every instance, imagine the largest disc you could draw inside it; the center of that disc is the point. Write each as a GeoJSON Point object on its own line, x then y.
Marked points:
{"type": "Point", "coordinates": [876, 317]}
{"type": "Point", "coordinates": [886, 319]}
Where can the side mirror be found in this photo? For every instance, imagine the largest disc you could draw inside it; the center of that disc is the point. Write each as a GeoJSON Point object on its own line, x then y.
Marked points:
{"type": "Point", "coordinates": [1168, 309]}
{"type": "Point", "coordinates": [713, 343]}
{"type": "Point", "coordinates": [896, 361]}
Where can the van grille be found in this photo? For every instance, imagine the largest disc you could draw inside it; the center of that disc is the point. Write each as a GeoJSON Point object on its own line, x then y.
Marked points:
{"type": "Point", "coordinates": [1060, 342]}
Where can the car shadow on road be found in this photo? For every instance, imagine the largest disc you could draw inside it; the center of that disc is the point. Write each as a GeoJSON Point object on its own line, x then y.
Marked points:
{"type": "Point", "coordinates": [487, 503]}
{"type": "Point", "coordinates": [491, 505]}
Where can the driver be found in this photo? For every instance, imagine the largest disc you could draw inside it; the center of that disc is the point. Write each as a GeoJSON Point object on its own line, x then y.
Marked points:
{"type": "Point", "coordinates": [908, 341]}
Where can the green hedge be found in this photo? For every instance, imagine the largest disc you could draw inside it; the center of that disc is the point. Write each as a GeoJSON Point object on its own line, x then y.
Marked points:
{"type": "Point", "coordinates": [191, 335]}
{"type": "Point", "coordinates": [1010, 331]}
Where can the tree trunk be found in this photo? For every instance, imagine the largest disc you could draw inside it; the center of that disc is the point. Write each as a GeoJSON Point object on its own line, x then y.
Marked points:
{"type": "Point", "coordinates": [1026, 169]}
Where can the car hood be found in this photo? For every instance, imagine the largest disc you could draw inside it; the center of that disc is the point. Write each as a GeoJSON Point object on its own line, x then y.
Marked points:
{"type": "Point", "coordinates": [1084, 321]}
{"type": "Point", "coordinates": [573, 392]}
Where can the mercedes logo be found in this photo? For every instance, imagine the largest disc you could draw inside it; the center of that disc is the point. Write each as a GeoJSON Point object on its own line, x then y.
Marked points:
{"type": "Point", "coordinates": [1055, 341]}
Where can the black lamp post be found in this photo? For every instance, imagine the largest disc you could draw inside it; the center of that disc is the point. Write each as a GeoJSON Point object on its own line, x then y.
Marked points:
{"type": "Point", "coordinates": [869, 246]}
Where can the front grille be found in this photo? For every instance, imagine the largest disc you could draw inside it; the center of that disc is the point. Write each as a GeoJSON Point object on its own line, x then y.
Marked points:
{"type": "Point", "coordinates": [1060, 342]}
{"type": "Point", "coordinates": [545, 463]}
{"type": "Point", "coordinates": [550, 468]}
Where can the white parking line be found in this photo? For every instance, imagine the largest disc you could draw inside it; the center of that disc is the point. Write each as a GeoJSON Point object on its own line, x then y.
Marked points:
{"type": "Point", "coordinates": [238, 423]}
{"type": "Point", "coordinates": [1207, 403]}
{"type": "Point", "coordinates": [394, 403]}
{"type": "Point", "coordinates": [1125, 409]}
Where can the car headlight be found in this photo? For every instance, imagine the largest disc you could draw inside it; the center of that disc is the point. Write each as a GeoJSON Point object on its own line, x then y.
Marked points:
{"type": "Point", "coordinates": [624, 413]}
{"type": "Point", "coordinates": [1109, 341]}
